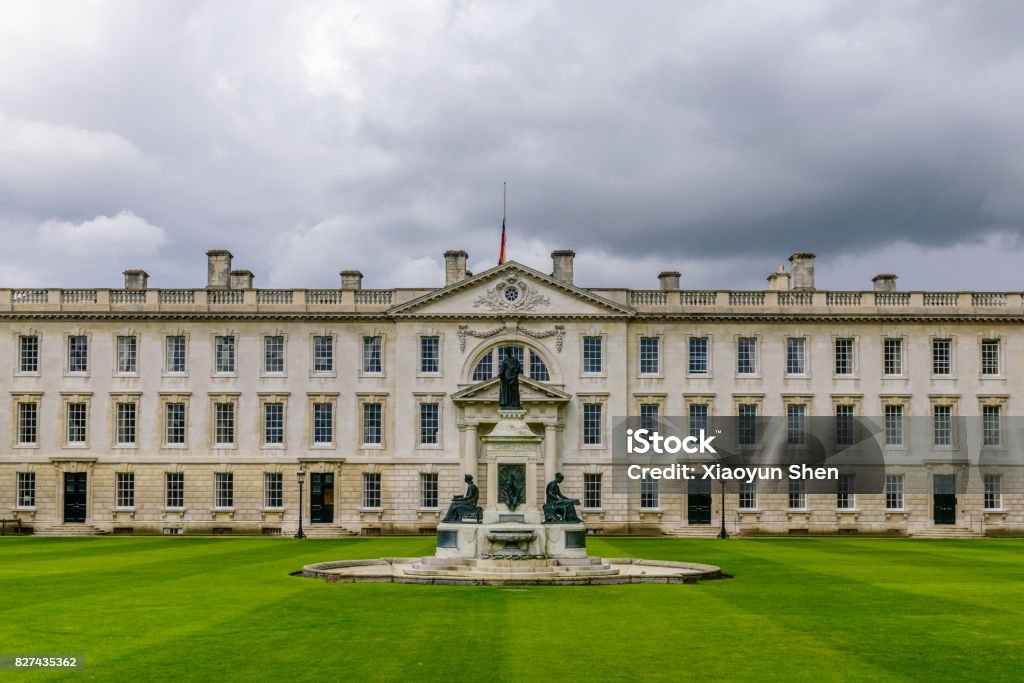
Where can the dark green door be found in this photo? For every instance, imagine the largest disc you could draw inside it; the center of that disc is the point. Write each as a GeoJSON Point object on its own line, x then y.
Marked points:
{"type": "Point", "coordinates": [74, 496]}
{"type": "Point", "coordinates": [944, 498]}
{"type": "Point", "coordinates": [321, 498]}
{"type": "Point", "coordinates": [698, 502]}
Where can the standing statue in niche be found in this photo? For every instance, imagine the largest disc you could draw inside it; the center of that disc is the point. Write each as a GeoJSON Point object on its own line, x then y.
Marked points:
{"type": "Point", "coordinates": [508, 374]}
{"type": "Point", "coordinates": [559, 508]}
{"type": "Point", "coordinates": [463, 506]}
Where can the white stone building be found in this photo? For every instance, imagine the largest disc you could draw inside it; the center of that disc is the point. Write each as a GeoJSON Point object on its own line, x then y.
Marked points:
{"type": "Point", "coordinates": [142, 410]}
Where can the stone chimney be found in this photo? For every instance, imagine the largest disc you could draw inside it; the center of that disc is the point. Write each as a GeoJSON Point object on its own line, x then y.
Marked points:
{"type": "Point", "coordinates": [561, 265]}
{"type": "Point", "coordinates": [779, 280]}
{"type": "Point", "coordinates": [351, 279]}
{"type": "Point", "coordinates": [136, 279]}
{"type": "Point", "coordinates": [241, 279]}
{"type": "Point", "coordinates": [802, 267]}
{"type": "Point", "coordinates": [218, 269]}
{"type": "Point", "coordinates": [455, 266]}
{"type": "Point", "coordinates": [669, 280]}
{"type": "Point", "coordinates": [885, 282]}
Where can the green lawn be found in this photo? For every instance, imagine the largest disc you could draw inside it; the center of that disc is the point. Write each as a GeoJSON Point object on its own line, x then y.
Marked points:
{"type": "Point", "coordinates": [806, 609]}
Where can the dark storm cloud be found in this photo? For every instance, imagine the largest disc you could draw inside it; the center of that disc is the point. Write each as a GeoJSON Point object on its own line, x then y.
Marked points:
{"type": "Point", "coordinates": [716, 138]}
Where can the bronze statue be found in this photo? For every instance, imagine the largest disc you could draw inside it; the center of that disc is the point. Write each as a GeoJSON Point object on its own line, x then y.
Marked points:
{"type": "Point", "coordinates": [559, 508]}
{"type": "Point", "coordinates": [465, 505]}
{"type": "Point", "coordinates": [508, 372]}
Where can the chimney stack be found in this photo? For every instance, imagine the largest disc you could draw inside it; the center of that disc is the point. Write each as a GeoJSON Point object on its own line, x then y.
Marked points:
{"type": "Point", "coordinates": [351, 279]}
{"type": "Point", "coordinates": [561, 264]}
{"type": "Point", "coordinates": [218, 269]}
{"type": "Point", "coordinates": [135, 278]}
{"type": "Point", "coordinates": [885, 282]}
{"type": "Point", "coordinates": [669, 280]}
{"type": "Point", "coordinates": [455, 266]}
{"type": "Point", "coordinates": [241, 279]}
{"type": "Point", "coordinates": [803, 270]}
{"type": "Point", "coordinates": [779, 280]}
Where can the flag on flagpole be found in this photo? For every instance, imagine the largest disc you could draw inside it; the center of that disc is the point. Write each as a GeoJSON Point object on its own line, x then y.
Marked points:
{"type": "Point", "coordinates": [501, 254]}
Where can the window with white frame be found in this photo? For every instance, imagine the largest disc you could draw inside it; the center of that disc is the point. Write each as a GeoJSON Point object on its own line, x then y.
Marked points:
{"type": "Point", "coordinates": [273, 490]}
{"type": "Point", "coordinates": [892, 356]}
{"type": "Point", "coordinates": [844, 425]}
{"type": "Point", "coordinates": [428, 490]}
{"type": "Point", "coordinates": [796, 362]}
{"type": "Point", "coordinates": [323, 354]}
{"type": "Point", "coordinates": [373, 416]}
{"type": "Point", "coordinates": [77, 419]}
{"type": "Point", "coordinates": [650, 360]}
{"type": "Point", "coordinates": [893, 425]}
{"type": "Point", "coordinates": [323, 423]}
{"type": "Point", "coordinates": [649, 493]}
{"type": "Point", "coordinates": [942, 357]}
{"type": "Point", "coordinates": [748, 495]}
{"type": "Point", "coordinates": [796, 424]}
{"type": "Point", "coordinates": [592, 490]}
{"type": "Point", "coordinates": [845, 497]}
{"type": "Point", "coordinates": [174, 489]}
{"type": "Point", "coordinates": [698, 356]}
{"type": "Point", "coordinates": [746, 356]}
{"type": "Point", "coordinates": [174, 423]}
{"type": "Point", "coordinates": [593, 356]}
{"type": "Point", "coordinates": [26, 490]}
{"type": "Point", "coordinates": [844, 356]}
{"type": "Point", "coordinates": [650, 414]}
{"type": "Point", "coordinates": [747, 424]}
{"type": "Point", "coordinates": [894, 492]}
{"type": "Point", "coordinates": [991, 426]}
{"type": "Point", "coordinates": [371, 490]}
{"type": "Point", "coordinates": [273, 423]}
{"type": "Point", "coordinates": [127, 354]}
{"type": "Point", "coordinates": [993, 491]}
{"type": "Point", "coordinates": [224, 352]}
{"type": "Point", "coordinates": [797, 494]}
{"type": "Point", "coordinates": [273, 354]}
{"type": "Point", "coordinates": [538, 370]}
{"type": "Point", "coordinates": [78, 353]}
{"type": "Point", "coordinates": [942, 425]}
{"type": "Point", "coordinates": [430, 423]}
{"type": "Point", "coordinates": [125, 417]}
{"type": "Point", "coordinates": [28, 353]}
{"type": "Point", "coordinates": [125, 490]}
{"type": "Point", "coordinates": [224, 423]}
{"type": "Point", "coordinates": [28, 423]}
{"type": "Point", "coordinates": [372, 355]}
{"type": "Point", "coordinates": [223, 490]}
{"type": "Point", "coordinates": [698, 419]}
{"type": "Point", "coordinates": [175, 349]}
{"type": "Point", "coordinates": [592, 424]}
{"type": "Point", "coordinates": [430, 355]}
{"type": "Point", "coordinates": [989, 357]}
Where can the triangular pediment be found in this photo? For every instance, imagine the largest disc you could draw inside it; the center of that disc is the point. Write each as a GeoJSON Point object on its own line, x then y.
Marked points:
{"type": "Point", "coordinates": [511, 290]}
{"type": "Point", "coordinates": [530, 391]}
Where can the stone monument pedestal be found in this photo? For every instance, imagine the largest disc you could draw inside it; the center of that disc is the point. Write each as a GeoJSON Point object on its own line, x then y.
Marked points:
{"type": "Point", "coordinates": [512, 526]}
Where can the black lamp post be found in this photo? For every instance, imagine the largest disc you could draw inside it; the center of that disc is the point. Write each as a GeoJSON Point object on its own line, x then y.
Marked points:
{"type": "Point", "coordinates": [301, 476]}
{"type": "Point", "coordinates": [723, 533]}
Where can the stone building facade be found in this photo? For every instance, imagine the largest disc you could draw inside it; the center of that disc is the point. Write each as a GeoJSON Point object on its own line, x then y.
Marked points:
{"type": "Point", "coordinates": [143, 410]}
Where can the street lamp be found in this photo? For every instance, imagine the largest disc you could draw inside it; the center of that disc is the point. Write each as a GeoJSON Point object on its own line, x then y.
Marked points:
{"type": "Point", "coordinates": [301, 476]}
{"type": "Point", "coordinates": [723, 533]}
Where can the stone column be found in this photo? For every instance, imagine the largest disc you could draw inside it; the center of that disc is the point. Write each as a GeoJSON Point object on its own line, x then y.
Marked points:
{"type": "Point", "coordinates": [469, 457]}
{"type": "Point", "coordinates": [551, 464]}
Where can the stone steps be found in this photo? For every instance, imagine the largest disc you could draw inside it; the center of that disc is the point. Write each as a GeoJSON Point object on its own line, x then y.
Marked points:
{"type": "Point", "coordinates": [944, 532]}
{"type": "Point", "coordinates": [70, 530]}
{"type": "Point", "coordinates": [326, 532]}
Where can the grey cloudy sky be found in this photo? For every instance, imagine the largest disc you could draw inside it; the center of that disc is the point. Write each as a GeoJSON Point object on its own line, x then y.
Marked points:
{"type": "Point", "coordinates": [711, 137]}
